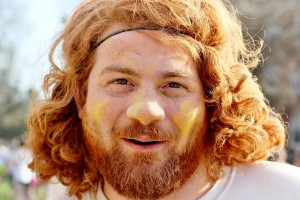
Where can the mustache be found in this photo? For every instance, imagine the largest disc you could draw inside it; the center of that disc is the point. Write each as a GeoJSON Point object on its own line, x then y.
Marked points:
{"type": "Point", "coordinates": [152, 131]}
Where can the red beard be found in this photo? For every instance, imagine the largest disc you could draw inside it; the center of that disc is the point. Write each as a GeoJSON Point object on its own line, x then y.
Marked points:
{"type": "Point", "coordinates": [137, 175]}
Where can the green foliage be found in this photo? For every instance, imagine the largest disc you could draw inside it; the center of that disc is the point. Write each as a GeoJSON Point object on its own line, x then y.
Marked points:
{"type": "Point", "coordinates": [13, 108]}
{"type": "Point", "coordinates": [5, 189]}
{"type": "Point", "coordinates": [12, 131]}
{"type": "Point", "coordinates": [7, 192]}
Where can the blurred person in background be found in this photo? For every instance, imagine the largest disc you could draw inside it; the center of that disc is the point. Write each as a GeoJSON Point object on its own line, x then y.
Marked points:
{"type": "Point", "coordinates": [21, 175]}
{"type": "Point", "coordinates": [155, 100]}
{"type": "Point", "coordinates": [4, 155]}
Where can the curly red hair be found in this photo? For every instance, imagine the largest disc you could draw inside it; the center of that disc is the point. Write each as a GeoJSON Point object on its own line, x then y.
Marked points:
{"type": "Point", "coordinates": [242, 127]}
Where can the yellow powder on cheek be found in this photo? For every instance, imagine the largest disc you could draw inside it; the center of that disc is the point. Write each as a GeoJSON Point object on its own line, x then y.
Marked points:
{"type": "Point", "coordinates": [186, 117]}
{"type": "Point", "coordinates": [98, 110]}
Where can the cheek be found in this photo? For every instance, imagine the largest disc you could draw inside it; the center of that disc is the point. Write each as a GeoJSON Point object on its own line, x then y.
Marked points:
{"type": "Point", "coordinates": [98, 111]}
{"type": "Point", "coordinates": [187, 117]}
{"type": "Point", "coordinates": [99, 116]}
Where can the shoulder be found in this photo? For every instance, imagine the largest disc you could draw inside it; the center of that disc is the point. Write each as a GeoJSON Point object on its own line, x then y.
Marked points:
{"type": "Point", "coordinates": [270, 171]}
{"type": "Point", "coordinates": [265, 180]}
{"type": "Point", "coordinates": [57, 191]}
{"type": "Point", "coordinates": [61, 196]}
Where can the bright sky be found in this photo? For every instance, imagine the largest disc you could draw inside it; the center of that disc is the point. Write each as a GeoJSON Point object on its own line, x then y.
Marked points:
{"type": "Point", "coordinates": [40, 24]}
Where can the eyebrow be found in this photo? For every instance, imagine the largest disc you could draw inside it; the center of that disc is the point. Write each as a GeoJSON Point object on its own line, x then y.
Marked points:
{"type": "Point", "coordinates": [165, 74]}
{"type": "Point", "coordinates": [176, 73]}
{"type": "Point", "coordinates": [123, 70]}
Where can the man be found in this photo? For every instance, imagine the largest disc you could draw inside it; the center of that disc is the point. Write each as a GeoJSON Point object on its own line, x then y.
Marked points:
{"type": "Point", "coordinates": [154, 100]}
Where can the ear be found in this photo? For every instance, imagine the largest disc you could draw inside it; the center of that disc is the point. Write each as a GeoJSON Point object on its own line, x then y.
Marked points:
{"type": "Point", "coordinates": [77, 101]}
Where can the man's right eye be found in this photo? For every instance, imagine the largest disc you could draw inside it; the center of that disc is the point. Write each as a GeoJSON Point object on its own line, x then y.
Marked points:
{"type": "Point", "coordinates": [121, 81]}
{"type": "Point", "coordinates": [120, 85]}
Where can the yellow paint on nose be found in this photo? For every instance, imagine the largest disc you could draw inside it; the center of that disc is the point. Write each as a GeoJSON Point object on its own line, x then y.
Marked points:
{"type": "Point", "coordinates": [186, 117]}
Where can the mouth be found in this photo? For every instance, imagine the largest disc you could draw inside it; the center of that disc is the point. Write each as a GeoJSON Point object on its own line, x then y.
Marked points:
{"type": "Point", "coordinates": [143, 145]}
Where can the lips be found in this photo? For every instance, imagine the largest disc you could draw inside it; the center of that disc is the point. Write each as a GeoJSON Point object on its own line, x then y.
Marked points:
{"type": "Point", "coordinates": [143, 143]}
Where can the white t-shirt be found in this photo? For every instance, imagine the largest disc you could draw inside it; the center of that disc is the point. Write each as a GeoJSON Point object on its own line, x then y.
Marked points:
{"type": "Point", "coordinates": [263, 180]}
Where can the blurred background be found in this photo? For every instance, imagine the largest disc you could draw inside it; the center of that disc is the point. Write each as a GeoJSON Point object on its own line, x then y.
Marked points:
{"type": "Point", "coordinates": [28, 28]}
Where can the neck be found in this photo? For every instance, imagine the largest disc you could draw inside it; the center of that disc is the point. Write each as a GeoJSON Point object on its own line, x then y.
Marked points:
{"type": "Point", "coordinates": [194, 188]}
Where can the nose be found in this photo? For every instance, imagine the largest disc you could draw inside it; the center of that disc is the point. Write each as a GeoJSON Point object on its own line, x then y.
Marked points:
{"type": "Point", "coordinates": [146, 112]}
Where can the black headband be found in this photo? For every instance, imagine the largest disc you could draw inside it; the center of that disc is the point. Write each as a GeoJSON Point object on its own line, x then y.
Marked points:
{"type": "Point", "coordinates": [171, 31]}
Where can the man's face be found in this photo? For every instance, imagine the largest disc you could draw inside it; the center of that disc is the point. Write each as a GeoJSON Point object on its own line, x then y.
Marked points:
{"type": "Point", "coordinates": [144, 117]}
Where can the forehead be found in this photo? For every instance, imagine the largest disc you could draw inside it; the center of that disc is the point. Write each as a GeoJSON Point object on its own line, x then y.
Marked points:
{"type": "Point", "coordinates": [153, 43]}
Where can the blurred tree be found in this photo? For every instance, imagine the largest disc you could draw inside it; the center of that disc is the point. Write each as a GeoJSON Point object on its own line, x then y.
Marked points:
{"type": "Point", "coordinates": [13, 104]}
{"type": "Point", "coordinates": [278, 23]}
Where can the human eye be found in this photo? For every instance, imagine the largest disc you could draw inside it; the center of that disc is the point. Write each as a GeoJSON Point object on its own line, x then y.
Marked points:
{"type": "Point", "coordinates": [174, 85]}
{"type": "Point", "coordinates": [120, 85]}
{"type": "Point", "coordinates": [121, 81]}
{"type": "Point", "coordinates": [174, 89]}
